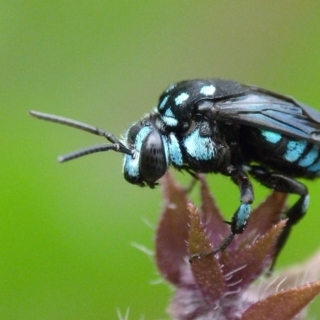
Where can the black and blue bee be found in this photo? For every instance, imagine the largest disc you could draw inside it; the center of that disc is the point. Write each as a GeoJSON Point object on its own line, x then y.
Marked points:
{"type": "Point", "coordinates": [219, 126]}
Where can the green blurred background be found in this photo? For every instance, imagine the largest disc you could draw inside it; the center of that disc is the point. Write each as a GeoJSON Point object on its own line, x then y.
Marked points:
{"type": "Point", "coordinates": [66, 230]}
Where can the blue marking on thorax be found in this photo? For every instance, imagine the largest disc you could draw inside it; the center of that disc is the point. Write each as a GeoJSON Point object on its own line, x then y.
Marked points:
{"type": "Point", "coordinates": [208, 90]}
{"type": "Point", "coordinates": [169, 119]}
{"type": "Point", "coordinates": [175, 153]}
{"type": "Point", "coordinates": [181, 98]}
{"type": "Point", "coordinates": [200, 148]}
{"type": "Point", "coordinates": [171, 87]}
{"type": "Point", "coordinates": [294, 150]}
{"type": "Point", "coordinates": [131, 163]}
{"type": "Point", "coordinates": [271, 136]}
{"type": "Point", "coordinates": [169, 113]}
{"type": "Point", "coordinates": [310, 157]}
{"type": "Point", "coordinates": [163, 102]}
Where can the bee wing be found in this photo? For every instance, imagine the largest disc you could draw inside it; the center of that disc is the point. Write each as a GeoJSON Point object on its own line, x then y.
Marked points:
{"type": "Point", "coordinates": [264, 109]}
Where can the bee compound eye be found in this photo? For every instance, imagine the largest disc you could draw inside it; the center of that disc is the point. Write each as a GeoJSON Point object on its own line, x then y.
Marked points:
{"type": "Point", "coordinates": [153, 163]}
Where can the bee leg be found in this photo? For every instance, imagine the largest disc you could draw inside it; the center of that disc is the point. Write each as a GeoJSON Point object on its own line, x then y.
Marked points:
{"type": "Point", "coordinates": [191, 185]}
{"type": "Point", "coordinates": [282, 183]}
{"type": "Point", "coordinates": [240, 218]}
{"type": "Point", "coordinates": [194, 180]}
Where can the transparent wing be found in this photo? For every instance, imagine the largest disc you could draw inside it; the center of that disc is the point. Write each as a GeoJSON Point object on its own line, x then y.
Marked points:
{"type": "Point", "coordinates": [265, 109]}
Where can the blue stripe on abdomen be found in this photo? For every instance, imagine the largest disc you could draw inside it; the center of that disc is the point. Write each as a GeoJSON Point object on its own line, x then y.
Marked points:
{"type": "Point", "coordinates": [310, 157]}
{"type": "Point", "coordinates": [271, 136]}
{"type": "Point", "coordinates": [298, 152]}
{"type": "Point", "coordinates": [315, 168]}
{"type": "Point", "coordinates": [295, 149]}
{"type": "Point", "coordinates": [292, 151]}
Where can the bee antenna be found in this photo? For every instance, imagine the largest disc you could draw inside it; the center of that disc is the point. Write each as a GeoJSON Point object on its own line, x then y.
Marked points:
{"type": "Point", "coordinates": [92, 149]}
{"type": "Point", "coordinates": [116, 145]}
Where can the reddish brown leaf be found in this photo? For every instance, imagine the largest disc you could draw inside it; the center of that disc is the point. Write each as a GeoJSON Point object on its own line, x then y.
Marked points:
{"type": "Point", "coordinates": [206, 270]}
{"type": "Point", "coordinates": [172, 232]}
{"type": "Point", "coordinates": [212, 220]}
{"type": "Point", "coordinates": [245, 264]}
{"type": "Point", "coordinates": [283, 305]}
{"type": "Point", "coordinates": [214, 287]}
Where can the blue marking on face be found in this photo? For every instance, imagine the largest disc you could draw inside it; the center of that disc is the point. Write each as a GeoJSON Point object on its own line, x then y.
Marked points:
{"type": "Point", "coordinates": [305, 204]}
{"type": "Point", "coordinates": [310, 157]}
{"type": "Point", "coordinates": [242, 216]}
{"type": "Point", "coordinates": [294, 150]}
{"type": "Point", "coordinates": [200, 148]}
{"type": "Point", "coordinates": [315, 168]}
{"type": "Point", "coordinates": [271, 136]}
{"type": "Point", "coordinates": [131, 163]}
{"type": "Point", "coordinates": [163, 102]}
{"type": "Point", "coordinates": [141, 135]}
{"type": "Point", "coordinates": [166, 148]}
{"type": "Point", "coordinates": [175, 153]}
{"type": "Point", "coordinates": [208, 90]}
{"type": "Point", "coordinates": [182, 97]}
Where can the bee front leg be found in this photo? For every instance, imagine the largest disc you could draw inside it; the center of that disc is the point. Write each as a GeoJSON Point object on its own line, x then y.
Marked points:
{"type": "Point", "coordinates": [241, 216]}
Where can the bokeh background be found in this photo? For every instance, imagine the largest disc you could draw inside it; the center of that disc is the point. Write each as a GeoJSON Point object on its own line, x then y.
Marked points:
{"type": "Point", "coordinates": [66, 231]}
